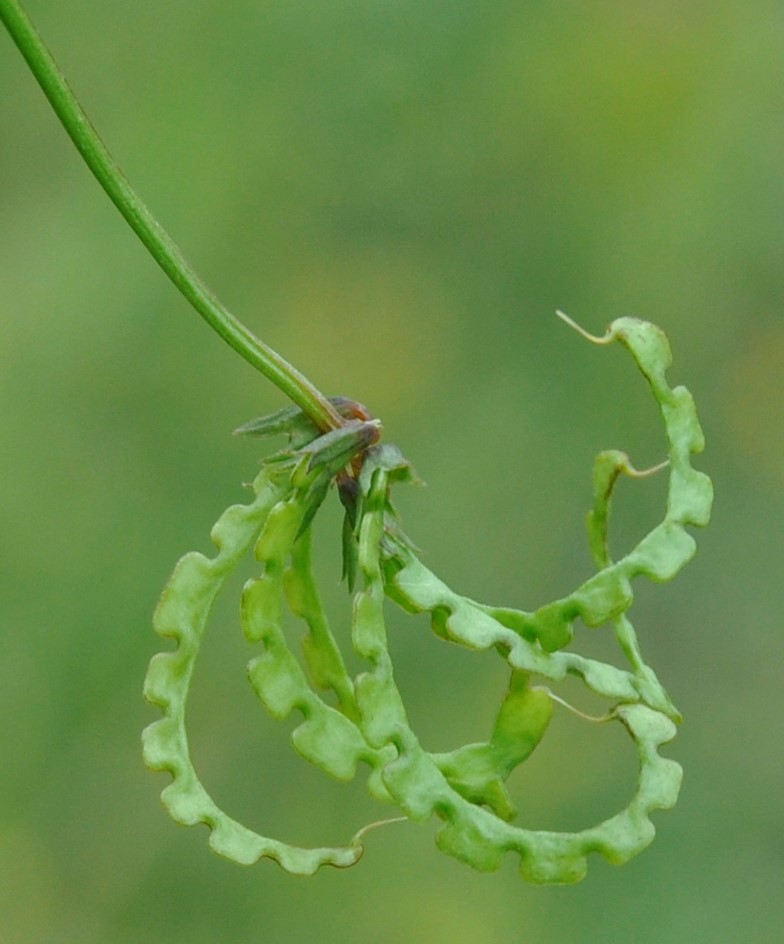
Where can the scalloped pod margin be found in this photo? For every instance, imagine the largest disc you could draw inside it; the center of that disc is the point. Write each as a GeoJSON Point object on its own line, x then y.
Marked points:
{"type": "Point", "coordinates": [182, 615]}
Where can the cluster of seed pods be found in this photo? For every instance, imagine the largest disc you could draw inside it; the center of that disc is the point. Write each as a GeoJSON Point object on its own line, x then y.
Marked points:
{"type": "Point", "coordinates": [366, 721]}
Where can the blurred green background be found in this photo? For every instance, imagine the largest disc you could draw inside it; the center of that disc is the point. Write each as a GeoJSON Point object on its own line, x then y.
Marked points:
{"type": "Point", "coordinates": [397, 196]}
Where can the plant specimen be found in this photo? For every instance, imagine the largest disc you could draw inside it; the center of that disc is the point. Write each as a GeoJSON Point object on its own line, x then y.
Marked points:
{"type": "Point", "coordinates": [343, 719]}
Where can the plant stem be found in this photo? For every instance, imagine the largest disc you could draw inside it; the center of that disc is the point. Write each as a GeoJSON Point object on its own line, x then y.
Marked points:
{"type": "Point", "coordinates": [157, 241]}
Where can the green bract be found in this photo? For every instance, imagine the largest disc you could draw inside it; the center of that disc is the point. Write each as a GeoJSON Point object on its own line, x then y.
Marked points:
{"type": "Point", "coordinates": [464, 788]}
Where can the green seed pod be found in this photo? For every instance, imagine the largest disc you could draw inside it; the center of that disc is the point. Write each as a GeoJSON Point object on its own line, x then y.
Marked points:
{"type": "Point", "coordinates": [272, 521]}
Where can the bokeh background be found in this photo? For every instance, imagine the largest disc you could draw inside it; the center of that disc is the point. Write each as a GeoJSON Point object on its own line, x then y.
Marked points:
{"type": "Point", "coordinates": [397, 196]}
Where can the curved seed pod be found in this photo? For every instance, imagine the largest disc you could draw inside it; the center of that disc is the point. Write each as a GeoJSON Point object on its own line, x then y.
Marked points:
{"type": "Point", "coordinates": [326, 737]}
{"type": "Point", "coordinates": [378, 699]}
{"type": "Point", "coordinates": [182, 615]}
{"type": "Point", "coordinates": [415, 780]}
{"type": "Point", "coordinates": [323, 660]}
{"type": "Point", "coordinates": [530, 642]}
{"type": "Point", "coordinates": [286, 490]}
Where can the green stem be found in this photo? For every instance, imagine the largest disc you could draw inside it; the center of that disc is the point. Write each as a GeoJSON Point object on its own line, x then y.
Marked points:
{"type": "Point", "coordinates": [160, 245]}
